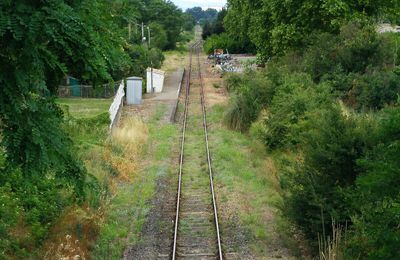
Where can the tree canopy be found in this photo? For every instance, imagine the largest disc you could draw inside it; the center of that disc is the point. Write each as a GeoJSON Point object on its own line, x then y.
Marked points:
{"type": "Point", "coordinates": [278, 26]}
{"type": "Point", "coordinates": [202, 16]}
{"type": "Point", "coordinates": [97, 41]}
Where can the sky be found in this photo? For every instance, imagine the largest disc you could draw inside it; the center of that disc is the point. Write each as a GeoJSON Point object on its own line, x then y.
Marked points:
{"type": "Point", "coordinates": [184, 4]}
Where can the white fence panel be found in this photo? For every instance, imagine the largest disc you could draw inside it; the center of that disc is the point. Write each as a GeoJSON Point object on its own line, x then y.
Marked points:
{"type": "Point", "coordinates": [116, 105]}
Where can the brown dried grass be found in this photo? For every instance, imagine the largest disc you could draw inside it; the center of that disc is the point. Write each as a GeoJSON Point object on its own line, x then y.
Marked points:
{"type": "Point", "coordinates": [126, 145]}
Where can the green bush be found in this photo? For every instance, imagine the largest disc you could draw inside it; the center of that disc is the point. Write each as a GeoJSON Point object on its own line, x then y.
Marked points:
{"type": "Point", "coordinates": [144, 58]}
{"type": "Point", "coordinates": [250, 94]}
{"type": "Point", "coordinates": [28, 207]}
{"type": "Point", "coordinates": [373, 90]}
{"type": "Point", "coordinates": [331, 146]}
{"type": "Point", "coordinates": [10, 212]}
{"type": "Point", "coordinates": [223, 41]}
{"type": "Point", "coordinates": [376, 197]}
{"type": "Point", "coordinates": [297, 95]}
{"type": "Point", "coordinates": [354, 50]}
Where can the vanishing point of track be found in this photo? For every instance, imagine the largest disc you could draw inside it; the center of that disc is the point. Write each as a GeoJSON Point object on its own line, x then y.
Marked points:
{"type": "Point", "coordinates": [196, 232]}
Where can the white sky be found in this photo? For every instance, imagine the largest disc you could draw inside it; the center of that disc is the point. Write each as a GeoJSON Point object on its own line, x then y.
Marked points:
{"type": "Point", "coordinates": [184, 4]}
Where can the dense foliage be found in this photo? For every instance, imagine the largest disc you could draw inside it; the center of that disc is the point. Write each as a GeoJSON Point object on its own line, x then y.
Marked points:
{"type": "Point", "coordinates": [327, 71]}
{"type": "Point", "coordinates": [334, 104]}
{"type": "Point", "coordinates": [40, 43]}
{"type": "Point", "coordinates": [375, 196]}
{"type": "Point", "coordinates": [223, 41]}
{"type": "Point", "coordinates": [216, 37]}
{"type": "Point", "coordinates": [215, 26]}
{"type": "Point", "coordinates": [275, 26]}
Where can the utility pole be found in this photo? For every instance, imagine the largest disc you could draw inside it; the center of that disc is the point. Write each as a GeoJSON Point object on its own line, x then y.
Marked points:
{"type": "Point", "coordinates": [149, 35]}
{"type": "Point", "coordinates": [129, 30]}
{"type": "Point", "coordinates": [142, 32]}
{"type": "Point", "coordinates": [396, 51]}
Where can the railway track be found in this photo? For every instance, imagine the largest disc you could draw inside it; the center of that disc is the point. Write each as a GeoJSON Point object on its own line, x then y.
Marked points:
{"type": "Point", "coordinates": [196, 230]}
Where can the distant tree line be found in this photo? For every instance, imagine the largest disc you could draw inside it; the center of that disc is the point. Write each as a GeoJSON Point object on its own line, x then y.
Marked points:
{"type": "Point", "coordinates": [202, 16]}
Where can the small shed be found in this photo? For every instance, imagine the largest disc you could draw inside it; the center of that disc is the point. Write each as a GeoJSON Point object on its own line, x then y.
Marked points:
{"type": "Point", "coordinates": [155, 80]}
{"type": "Point", "coordinates": [134, 91]}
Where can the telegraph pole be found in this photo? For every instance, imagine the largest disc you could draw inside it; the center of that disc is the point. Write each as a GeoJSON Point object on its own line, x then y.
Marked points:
{"type": "Point", "coordinates": [142, 31]}
{"type": "Point", "coordinates": [149, 35]}
{"type": "Point", "coordinates": [129, 30]}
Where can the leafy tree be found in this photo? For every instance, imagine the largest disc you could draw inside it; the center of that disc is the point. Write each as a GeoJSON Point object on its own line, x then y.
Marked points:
{"type": "Point", "coordinates": [159, 38]}
{"type": "Point", "coordinates": [169, 16]}
{"type": "Point", "coordinates": [39, 44]}
{"type": "Point", "coordinates": [278, 26]}
{"type": "Point", "coordinates": [376, 197]}
{"type": "Point", "coordinates": [216, 26]}
{"type": "Point", "coordinates": [189, 22]}
{"type": "Point", "coordinates": [202, 16]}
{"type": "Point", "coordinates": [144, 58]}
{"type": "Point", "coordinates": [41, 41]}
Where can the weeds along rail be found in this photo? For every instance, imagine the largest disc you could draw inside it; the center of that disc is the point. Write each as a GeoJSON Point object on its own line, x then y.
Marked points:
{"type": "Point", "coordinates": [203, 105]}
{"type": "Point", "coordinates": [196, 230]}
{"type": "Point", "coordinates": [178, 200]}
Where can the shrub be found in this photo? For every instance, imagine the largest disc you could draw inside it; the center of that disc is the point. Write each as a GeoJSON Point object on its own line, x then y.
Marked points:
{"type": "Point", "coordinates": [376, 197]}
{"type": "Point", "coordinates": [223, 41]}
{"type": "Point", "coordinates": [374, 90]}
{"type": "Point", "coordinates": [250, 94]}
{"type": "Point", "coordinates": [296, 96]}
{"type": "Point", "coordinates": [144, 58]}
{"type": "Point", "coordinates": [331, 145]}
{"type": "Point", "coordinates": [354, 50]}
{"type": "Point", "coordinates": [28, 207]}
{"type": "Point", "coordinates": [10, 212]}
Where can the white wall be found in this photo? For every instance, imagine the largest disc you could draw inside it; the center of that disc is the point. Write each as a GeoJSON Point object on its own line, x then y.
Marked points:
{"type": "Point", "coordinates": [158, 80]}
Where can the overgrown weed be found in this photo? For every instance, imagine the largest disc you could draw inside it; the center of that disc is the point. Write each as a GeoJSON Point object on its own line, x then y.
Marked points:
{"type": "Point", "coordinates": [125, 146]}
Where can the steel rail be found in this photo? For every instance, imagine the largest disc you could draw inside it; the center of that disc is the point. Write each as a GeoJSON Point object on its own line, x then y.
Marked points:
{"type": "Point", "coordinates": [178, 200]}
{"type": "Point", "coordinates": [203, 105]}
{"type": "Point", "coordinates": [194, 47]}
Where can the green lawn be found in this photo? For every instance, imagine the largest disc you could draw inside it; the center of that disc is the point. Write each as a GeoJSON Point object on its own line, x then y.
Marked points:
{"type": "Point", "coordinates": [85, 107]}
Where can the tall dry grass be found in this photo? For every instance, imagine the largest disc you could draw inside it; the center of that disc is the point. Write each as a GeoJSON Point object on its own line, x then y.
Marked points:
{"type": "Point", "coordinates": [126, 145]}
{"type": "Point", "coordinates": [331, 248]}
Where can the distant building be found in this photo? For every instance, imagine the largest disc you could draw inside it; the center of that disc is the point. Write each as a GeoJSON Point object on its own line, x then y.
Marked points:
{"type": "Point", "coordinates": [386, 27]}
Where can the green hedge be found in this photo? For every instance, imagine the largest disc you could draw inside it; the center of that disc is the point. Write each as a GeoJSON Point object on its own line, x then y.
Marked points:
{"type": "Point", "coordinates": [223, 41]}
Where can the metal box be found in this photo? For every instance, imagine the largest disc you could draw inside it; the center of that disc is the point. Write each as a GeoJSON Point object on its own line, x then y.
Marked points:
{"type": "Point", "coordinates": [134, 91]}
